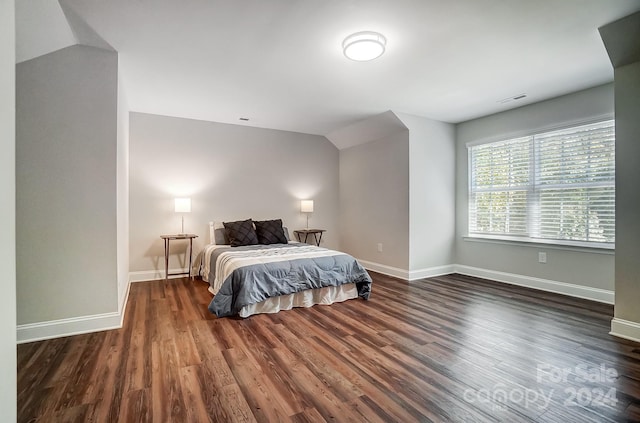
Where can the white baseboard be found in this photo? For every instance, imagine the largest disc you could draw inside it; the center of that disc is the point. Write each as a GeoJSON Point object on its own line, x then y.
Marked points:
{"type": "Point", "coordinates": [625, 329]}
{"type": "Point", "coordinates": [578, 291]}
{"type": "Point", "coordinates": [154, 275]}
{"type": "Point", "coordinates": [407, 275]}
{"type": "Point", "coordinates": [66, 327]}
{"type": "Point", "coordinates": [430, 272]}
{"type": "Point", "coordinates": [106, 321]}
{"type": "Point", "coordinates": [122, 304]}
{"type": "Point", "coordinates": [396, 272]}
{"type": "Point", "coordinates": [40, 331]}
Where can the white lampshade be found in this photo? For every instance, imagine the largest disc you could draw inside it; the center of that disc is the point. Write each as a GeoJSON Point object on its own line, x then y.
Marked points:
{"type": "Point", "coordinates": [183, 205]}
{"type": "Point", "coordinates": [306, 206]}
{"type": "Point", "coordinates": [364, 46]}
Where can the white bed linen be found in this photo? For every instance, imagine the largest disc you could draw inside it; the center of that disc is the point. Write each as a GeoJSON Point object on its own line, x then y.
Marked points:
{"type": "Point", "coordinates": [310, 297]}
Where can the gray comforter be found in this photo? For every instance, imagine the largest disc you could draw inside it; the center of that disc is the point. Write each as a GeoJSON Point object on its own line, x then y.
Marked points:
{"type": "Point", "coordinates": [258, 272]}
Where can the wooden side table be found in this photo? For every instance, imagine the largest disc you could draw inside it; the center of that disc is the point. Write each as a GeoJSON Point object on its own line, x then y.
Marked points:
{"type": "Point", "coordinates": [307, 232]}
{"type": "Point", "coordinates": [168, 238]}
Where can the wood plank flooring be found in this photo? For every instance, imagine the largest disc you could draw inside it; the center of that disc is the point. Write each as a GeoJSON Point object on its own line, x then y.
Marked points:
{"type": "Point", "coordinates": [450, 348]}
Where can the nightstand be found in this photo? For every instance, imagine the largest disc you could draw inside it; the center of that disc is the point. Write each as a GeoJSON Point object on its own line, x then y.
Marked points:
{"type": "Point", "coordinates": [307, 232]}
{"type": "Point", "coordinates": [168, 238]}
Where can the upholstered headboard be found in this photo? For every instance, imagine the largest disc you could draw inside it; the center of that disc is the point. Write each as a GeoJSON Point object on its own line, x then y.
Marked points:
{"type": "Point", "coordinates": [212, 237]}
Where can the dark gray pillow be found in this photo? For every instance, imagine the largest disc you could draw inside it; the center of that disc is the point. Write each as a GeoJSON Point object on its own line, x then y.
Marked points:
{"type": "Point", "coordinates": [241, 233]}
{"type": "Point", "coordinates": [270, 231]}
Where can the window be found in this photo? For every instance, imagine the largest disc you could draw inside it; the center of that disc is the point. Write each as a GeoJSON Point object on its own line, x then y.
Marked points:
{"type": "Point", "coordinates": [555, 187]}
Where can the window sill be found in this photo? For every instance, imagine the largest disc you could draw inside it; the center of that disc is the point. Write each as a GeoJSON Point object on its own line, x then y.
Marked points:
{"type": "Point", "coordinates": [604, 249]}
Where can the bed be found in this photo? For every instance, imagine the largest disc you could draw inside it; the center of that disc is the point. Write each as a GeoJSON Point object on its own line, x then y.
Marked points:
{"type": "Point", "coordinates": [259, 278]}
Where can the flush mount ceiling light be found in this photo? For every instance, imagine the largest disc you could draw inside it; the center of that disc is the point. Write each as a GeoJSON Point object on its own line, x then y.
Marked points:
{"type": "Point", "coordinates": [515, 97]}
{"type": "Point", "coordinates": [364, 46]}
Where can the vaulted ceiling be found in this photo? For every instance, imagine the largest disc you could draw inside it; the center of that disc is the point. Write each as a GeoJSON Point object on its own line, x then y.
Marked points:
{"type": "Point", "coordinates": [279, 63]}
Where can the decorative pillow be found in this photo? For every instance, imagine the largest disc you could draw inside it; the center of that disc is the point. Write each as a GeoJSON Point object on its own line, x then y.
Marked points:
{"type": "Point", "coordinates": [270, 232]}
{"type": "Point", "coordinates": [241, 233]}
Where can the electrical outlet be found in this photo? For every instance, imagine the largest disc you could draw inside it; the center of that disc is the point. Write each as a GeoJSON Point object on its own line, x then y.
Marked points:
{"type": "Point", "coordinates": [379, 247]}
{"type": "Point", "coordinates": [542, 257]}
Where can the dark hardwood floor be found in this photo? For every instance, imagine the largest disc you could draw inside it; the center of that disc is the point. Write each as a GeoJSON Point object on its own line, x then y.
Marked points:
{"type": "Point", "coordinates": [451, 348]}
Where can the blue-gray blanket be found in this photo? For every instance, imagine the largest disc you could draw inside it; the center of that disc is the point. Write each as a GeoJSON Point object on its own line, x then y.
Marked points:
{"type": "Point", "coordinates": [253, 283]}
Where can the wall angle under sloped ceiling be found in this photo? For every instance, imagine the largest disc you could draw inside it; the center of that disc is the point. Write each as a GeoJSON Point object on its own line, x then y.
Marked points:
{"type": "Point", "coordinates": [621, 40]}
{"type": "Point", "coordinates": [83, 32]}
{"type": "Point", "coordinates": [45, 26]}
{"type": "Point", "coordinates": [41, 28]}
{"type": "Point", "coordinates": [367, 130]}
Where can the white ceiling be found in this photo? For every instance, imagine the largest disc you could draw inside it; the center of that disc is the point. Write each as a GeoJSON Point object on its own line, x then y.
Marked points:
{"type": "Point", "coordinates": [280, 64]}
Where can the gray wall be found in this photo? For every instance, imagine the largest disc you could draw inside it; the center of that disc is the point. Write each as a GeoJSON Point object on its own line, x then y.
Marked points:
{"type": "Point", "coordinates": [7, 213]}
{"type": "Point", "coordinates": [122, 174]}
{"type": "Point", "coordinates": [230, 172]}
{"type": "Point", "coordinates": [66, 105]}
{"type": "Point", "coordinates": [628, 192]}
{"type": "Point", "coordinates": [374, 200]}
{"type": "Point", "coordinates": [431, 192]}
{"type": "Point", "coordinates": [571, 266]}
{"type": "Point", "coordinates": [622, 40]}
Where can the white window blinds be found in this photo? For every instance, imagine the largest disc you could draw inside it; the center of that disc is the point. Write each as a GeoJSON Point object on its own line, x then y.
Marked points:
{"type": "Point", "coordinates": [557, 185]}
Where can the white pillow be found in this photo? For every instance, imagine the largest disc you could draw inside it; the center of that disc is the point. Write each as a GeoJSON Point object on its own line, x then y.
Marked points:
{"type": "Point", "coordinates": [217, 234]}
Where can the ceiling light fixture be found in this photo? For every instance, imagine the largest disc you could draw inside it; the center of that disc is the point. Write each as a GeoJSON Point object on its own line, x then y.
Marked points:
{"type": "Point", "coordinates": [510, 99]}
{"type": "Point", "coordinates": [364, 46]}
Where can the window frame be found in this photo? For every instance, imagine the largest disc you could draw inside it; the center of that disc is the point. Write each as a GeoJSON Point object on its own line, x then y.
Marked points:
{"type": "Point", "coordinates": [532, 191]}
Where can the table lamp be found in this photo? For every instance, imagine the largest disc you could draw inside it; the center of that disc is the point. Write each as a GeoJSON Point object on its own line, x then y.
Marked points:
{"type": "Point", "coordinates": [183, 205]}
{"type": "Point", "coordinates": [306, 206]}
